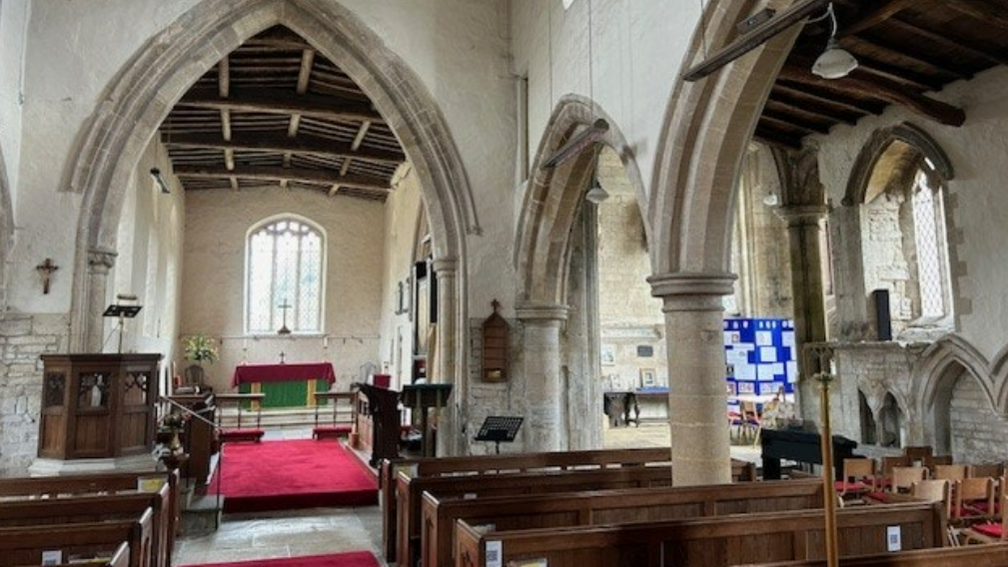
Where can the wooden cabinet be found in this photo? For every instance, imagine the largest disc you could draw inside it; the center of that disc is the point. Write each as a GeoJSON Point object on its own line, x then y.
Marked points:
{"type": "Point", "coordinates": [97, 406]}
{"type": "Point", "coordinates": [495, 347]}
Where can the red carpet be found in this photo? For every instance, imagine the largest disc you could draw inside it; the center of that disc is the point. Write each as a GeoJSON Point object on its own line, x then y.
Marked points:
{"type": "Point", "coordinates": [352, 559]}
{"type": "Point", "coordinates": [285, 475]}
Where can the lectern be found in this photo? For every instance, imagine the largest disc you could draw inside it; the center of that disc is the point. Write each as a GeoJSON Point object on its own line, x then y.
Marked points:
{"type": "Point", "coordinates": [378, 422]}
{"type": "Point", "coordinates": [421, 398]}
{"type": "Point", "coordinates": [98, 406]}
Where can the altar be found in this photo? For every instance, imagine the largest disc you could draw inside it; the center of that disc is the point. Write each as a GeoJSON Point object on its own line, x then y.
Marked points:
{"type": "Point", "coordinates": [291, 384]}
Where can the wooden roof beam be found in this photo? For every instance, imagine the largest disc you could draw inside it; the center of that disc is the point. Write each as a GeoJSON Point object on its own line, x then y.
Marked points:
{"type": "Point", "coordinates": [786, 124]}
{"type": "Point", "coordinates": [785, 102]}
{"type": "Point", "coordinates": [289, 174]}
{"type": "Point", "coordinates": [769, 135]}
{"type": "Point", "coordinates": [825, 94]}
{"type": "Point", "coordinates": [903, 55]}
{"type": "Point", "coordinates": [275, 101]}
{"type": "Point", "coordinates": [281, 143]}
{"type": "Point", "coordinates": [874, 18]}
{"type": "Point", "coordinates": [961, 43]}
{"type": "Point", "coordinates": [980, 11]}
{"type": "Point", "coordinates": [779, 108]}
{"type": "Point", "coordinates": [888, 91]}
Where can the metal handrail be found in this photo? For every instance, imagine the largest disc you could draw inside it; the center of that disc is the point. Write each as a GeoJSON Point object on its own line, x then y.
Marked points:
{"type": "Point", "coordinates": [220, 453]}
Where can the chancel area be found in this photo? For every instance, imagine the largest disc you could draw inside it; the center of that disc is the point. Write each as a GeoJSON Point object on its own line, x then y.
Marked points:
{"type": "Point", "coordinates": [494, 283]}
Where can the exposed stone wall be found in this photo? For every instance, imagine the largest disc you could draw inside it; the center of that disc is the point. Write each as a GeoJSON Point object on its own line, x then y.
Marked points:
{"type": "Point", "coordinates": [978, 432]}
{"type": "Point", "coordinates": [876, 369]}
{"type": "Point", "coordinates": [23, 338]}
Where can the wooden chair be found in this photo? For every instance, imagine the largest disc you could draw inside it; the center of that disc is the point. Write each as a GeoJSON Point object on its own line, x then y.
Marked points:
{"type": "Point", "coordinates": [950, 472]}
{"type": "Point", "coordinates": [974, 500]}
{"type": "Point", "coordinates": [989, 532]}
{"type": "Point", "coordinates": [933, 491]}
{"type": "Point", "coordinates": [885, 481]}
{"type": "Point", "coordinates": [858, 477]}
{"type": "Point", "coordinates": [917, 453]}
{"type": "Point", "coordinates": [903, 478]}
{"type": "Point", "coordinates": [935, 460]}
{"type": "Point", "coordinates": [992, 470]}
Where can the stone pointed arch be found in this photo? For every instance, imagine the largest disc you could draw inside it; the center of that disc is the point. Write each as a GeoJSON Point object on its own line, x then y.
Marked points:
{"type": "Point", "coordinates": [154, 79]}
{"type": "Point", "coordinates": [6, 227]}
{"type": "Point", "coordinates": [999, 376]}
{"type": "Point", "coordinates": [708, 125]}
{"type": "Point", "coordinates": [879, 142]}
{"type": "Point", "coordinates": [553, 198]}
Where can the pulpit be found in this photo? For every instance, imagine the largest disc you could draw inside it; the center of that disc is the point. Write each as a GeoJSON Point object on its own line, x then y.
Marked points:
{"type": "Point", "coordinates": [377, 415]}
{"type": "Point", "coordinates": [98, 406]}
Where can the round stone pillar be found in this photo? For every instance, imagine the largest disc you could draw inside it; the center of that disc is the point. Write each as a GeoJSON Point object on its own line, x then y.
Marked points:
{"type": "Point", "coordinates": [100, 261]}
{"type": "Point", "coordinates": [694, 330]}
{"type": "Point", "coordinates": [445, 269]}
{"type": "Point", "coordinates": [545, 427]}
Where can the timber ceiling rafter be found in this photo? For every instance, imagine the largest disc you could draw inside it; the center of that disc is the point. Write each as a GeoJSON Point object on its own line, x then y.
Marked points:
{"type": "Point", "coordinates": [275, 111]}
{"type": "Point", "coordinates": [907, 50]}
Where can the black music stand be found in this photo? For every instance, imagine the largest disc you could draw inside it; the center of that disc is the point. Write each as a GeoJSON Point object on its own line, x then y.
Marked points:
{"type": "Point", "coordinates": [499, 428]}
{"type": "Point", "coordinates": [122, 312]}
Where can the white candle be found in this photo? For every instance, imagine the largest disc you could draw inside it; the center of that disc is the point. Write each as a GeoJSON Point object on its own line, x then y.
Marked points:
{"type": "Point", "coordinates": [245, 344]}
{"type": "Point", "coordinates": [325, 341]}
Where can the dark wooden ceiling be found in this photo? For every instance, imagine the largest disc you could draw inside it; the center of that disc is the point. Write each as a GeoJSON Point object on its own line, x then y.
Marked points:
{"type": "Point", "coordinates": [907, 50]}
{"type": "Point", "coordinates": [275, 111]}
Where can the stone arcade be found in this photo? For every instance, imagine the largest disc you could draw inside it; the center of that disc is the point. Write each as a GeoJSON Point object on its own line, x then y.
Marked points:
{"type": "Point", "coordinates": [393, 154]}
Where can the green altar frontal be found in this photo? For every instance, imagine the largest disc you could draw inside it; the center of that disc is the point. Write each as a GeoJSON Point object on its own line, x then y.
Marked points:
{"type": "Point", "coordinates": [287, 394]}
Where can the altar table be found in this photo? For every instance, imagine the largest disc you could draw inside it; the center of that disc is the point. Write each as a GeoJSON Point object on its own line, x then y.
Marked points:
{"type": "Point", "coordinates": [286, 385]}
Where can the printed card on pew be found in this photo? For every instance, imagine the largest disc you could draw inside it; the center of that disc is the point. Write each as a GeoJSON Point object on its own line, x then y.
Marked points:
{"type": "Point", "coordinates": [493, 553]}
{"type": "Point", "coordinates": [52, 557]}
{"type": "Point", "coordinates": [150, 483]}
{"type": "Point", "coordinates": [538, 562]}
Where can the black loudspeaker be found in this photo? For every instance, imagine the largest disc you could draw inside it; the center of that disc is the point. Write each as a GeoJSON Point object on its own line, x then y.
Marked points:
{"type": "Point", "coordinates": [883, 323]}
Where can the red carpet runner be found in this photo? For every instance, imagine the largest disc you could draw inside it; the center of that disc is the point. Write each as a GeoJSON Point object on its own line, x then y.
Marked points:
{"type": "Point", "coordinates": [352, 559]}
{"type": "Point", "coordinates": [285, 475]}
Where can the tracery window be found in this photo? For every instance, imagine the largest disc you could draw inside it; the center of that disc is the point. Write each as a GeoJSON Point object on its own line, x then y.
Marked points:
{"type": "Point", "coordinates": [285, 259]}
{"type": "Point", "coordinates": [929, 232]}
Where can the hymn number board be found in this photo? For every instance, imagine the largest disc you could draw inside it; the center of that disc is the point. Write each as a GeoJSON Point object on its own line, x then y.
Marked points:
{"type": "Point", "coordinates": [760, 356]}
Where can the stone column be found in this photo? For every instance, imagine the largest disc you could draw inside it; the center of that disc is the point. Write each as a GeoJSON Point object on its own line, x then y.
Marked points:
{"type": "Point", "coordinates": [544, 418]}
{"type": "Point", "coordinates": [853, 323]}
{"type": "Point", "coordinates": [694, 330]}
{"type": "Point", "coordinates": [100, 261]}
{"type": "Point", "coordinates": [804, 235]}
{"type": "Point", "coordinates": [447, 329]}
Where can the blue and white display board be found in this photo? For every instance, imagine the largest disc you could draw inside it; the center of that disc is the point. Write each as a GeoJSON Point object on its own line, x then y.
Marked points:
{"type": "Point", "coordinates": [760, 356]}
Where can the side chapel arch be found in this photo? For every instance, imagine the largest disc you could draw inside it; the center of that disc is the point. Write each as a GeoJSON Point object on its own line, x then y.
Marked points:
{"type": "Point", "coordinates": [553, 198]}
{"type": "Point", "coordinates": [141, 95]}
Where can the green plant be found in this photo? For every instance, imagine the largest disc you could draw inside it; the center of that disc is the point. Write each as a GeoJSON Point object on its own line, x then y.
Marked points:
{"type": "Point", "coordinates": [200, 348]}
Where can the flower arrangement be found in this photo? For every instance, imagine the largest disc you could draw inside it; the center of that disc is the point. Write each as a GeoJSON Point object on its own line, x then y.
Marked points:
{"type": "Point", "coordinates": [200, 349]}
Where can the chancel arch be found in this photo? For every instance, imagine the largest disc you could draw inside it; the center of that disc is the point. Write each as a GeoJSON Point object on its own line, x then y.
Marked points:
{"type": "Point", "coordinates": [160, 73]}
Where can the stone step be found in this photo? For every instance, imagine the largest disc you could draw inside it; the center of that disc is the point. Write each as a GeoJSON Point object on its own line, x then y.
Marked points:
{"type": "Point", "coordinates": [202, 515]}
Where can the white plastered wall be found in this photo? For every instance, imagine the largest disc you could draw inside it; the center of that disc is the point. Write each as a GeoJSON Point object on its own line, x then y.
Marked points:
{"type": "Point", "coordinates": [213, 290]}
{"type": "Point", "coordinates": [14, 15]}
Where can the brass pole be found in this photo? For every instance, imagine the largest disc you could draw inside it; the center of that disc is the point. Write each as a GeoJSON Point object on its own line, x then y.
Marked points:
{"type": "Point", "coordinates": [829, 492]}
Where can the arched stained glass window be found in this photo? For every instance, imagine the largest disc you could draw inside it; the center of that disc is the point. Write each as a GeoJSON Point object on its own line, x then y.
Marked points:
{"type": "Point", "coordinates": [286, 260]}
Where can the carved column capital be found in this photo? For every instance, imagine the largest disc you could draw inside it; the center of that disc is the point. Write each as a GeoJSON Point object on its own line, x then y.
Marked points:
{"type": "Point", "coordinates": [445, 266]}
{"type": "Point", "coordinates": [542, 312]}
{"type": "Point", "coordinates": [101, 260]}
{"type": "Point", "coordinates": [802, 215]}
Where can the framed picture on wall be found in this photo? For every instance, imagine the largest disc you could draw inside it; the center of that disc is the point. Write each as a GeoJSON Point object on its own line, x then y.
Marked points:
{"type": "Point", "coordinates": [608, 355]}
{"type": "Point", "coordinates": [648, 378]}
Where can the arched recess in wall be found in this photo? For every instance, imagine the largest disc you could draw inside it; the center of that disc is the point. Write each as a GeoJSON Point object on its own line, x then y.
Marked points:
{"type": "Point", "coordinates": [899, 182]}
{"type": "Point", "coordinates": [707, 127]}
{"type": "Point", "coordinates": [6, 225]}
{"type": "Point", "coordinates": [940, 366]}
{"type": "Point", "coordinates": [553, 198]}
{"type": "Point", "coordinates": [149, 85]}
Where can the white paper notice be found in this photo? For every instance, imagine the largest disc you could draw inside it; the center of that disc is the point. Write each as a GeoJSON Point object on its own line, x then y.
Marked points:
{"type": "Point", "coordinates": [893, 538]}
{"type": "Point", "coordinates": [765, 373]}
{"type": "Point", "coordinates": [745, 372]}
{"type": "Point", "coordinates": [52, 557]}
{"type": "Point", "coordinates": [792, 372]}
{"type": "Point", "coordinates": [733, 356]}
{"type": "Point", "coordinates": [768, 354]}
{"type": "Point", "coordinates": [764, 338]}
{"type": "Point", "coordinates": [787, 338]}
{"type": "Point", "coordinates": [493, 553]}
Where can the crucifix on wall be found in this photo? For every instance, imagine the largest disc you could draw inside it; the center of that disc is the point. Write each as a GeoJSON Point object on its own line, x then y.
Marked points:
{"type": "Point", "coordinates": [46, 270]}
{"type": "Point", "coordinates": [283, 328]}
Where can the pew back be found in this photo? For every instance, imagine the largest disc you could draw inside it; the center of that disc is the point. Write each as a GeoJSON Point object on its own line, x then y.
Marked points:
{"type": "Point", "coordinates": [494, 464]}
{"type": "Point", "coordinates": [97, 508]}
{"type": "Point", "coordinates": [702, 542]}
{"type": "Point", "coordinates": [24, 545]}
{"type": "Point", "coordinates": [606, 507]}
{"type": "Point", "coordinates": [119, 558]}
{"type": "Point", "coordinates": [990, 555]}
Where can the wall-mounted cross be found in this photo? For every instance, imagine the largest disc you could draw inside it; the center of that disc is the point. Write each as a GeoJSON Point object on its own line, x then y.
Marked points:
{"type": "Point", "coordinates": [46, 269]}
{"type": "Point", "coordinates": [283, 357]}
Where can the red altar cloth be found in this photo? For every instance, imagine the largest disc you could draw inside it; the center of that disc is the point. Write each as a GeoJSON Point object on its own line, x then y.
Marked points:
{"type": "Point", "coordinates": [289, 372]}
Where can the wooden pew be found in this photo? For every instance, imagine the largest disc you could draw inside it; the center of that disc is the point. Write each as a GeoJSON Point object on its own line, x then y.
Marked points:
{"type": "Point", "coordinates": [24, 545]}
{"type": "Point", "coordinates": [118, 558]}
{"type": "Point", "coordinates": [95, 508]}
{"type": "Point", "coordinates": [113, 483]}
{"type": "Point", "coordinates": [707, 542]}
{"type": "Point", "coordinates": [409, 491]}
{"type": "Point", "coordinates": [990, 555]}
{"type": "Point", "coordinates": [523, 462]}
{"type": "Point", "coordinates": [606, 507]}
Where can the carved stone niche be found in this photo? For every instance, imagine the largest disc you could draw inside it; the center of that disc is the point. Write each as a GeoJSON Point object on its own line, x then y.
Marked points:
{"type": "Point", "coordinates": [495, 346]}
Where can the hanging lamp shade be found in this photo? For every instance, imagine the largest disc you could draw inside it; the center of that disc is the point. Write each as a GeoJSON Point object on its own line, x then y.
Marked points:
{"type": "Point", "coordinates": [834, 63]}
{"type": "Point", "coordinates": [596, 194]}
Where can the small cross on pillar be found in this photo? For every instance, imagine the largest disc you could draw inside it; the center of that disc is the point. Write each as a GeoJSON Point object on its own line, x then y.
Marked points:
{"type": "Point", "coordinates": [46, 269]}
